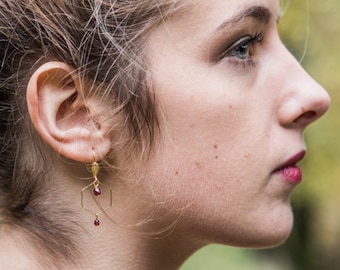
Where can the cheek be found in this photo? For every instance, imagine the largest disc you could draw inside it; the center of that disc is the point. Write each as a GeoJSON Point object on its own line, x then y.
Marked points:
{"type": "Point", "coordinates": [216, 201]}
{"type": "Point", "coordinates": [212, 137]}
{"type": "Point", "coordinates": [195, 163]}
{"type": "Point", "coordinates": [212, 174]}
{"type": "Point", "coordinates": [209, 168]}
{"type": "Point", "coordinates": [215, 143]}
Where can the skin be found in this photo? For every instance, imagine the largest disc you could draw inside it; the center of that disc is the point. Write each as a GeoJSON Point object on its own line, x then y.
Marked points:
{"type": "Point", "coordinates": [230, 122]}
{"type": "Point", "coordinates": [229, 117]}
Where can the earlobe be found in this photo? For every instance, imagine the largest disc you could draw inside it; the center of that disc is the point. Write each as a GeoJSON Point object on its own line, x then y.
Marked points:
{"type": "Point", "coordinates": [67, 121]}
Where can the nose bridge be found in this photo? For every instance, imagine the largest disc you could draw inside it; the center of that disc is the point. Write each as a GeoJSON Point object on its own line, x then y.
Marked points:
{"type": "Point", "coordinates": [305, 99]}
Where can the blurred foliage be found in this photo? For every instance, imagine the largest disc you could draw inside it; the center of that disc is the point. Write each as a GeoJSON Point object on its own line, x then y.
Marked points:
{"type": "Point", "coordinates": [217, 257]}
{"type": "Point", "coordinates": [315, 241]}
{"type": "Point", "coordinates": [311, 31]}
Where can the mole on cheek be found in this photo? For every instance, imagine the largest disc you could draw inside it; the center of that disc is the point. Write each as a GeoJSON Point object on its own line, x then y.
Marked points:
{"type": "Point", "coordinates": [216, 147]}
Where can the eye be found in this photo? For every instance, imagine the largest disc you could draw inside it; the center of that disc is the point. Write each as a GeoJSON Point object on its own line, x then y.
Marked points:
{"type": "Point", "coordinates": [241, 50]}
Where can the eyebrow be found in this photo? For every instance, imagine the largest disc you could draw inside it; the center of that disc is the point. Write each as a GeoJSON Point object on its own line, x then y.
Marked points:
{"type": "Point", "coordinates": [259, 13]}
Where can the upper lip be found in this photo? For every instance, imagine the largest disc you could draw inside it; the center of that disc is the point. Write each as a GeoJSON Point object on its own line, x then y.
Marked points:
{"type": "Point", "coordinates": [292, 161]}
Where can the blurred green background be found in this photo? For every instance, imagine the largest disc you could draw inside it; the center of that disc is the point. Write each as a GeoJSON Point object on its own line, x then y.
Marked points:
{"type": "Point", "coordinates": [311, 31]}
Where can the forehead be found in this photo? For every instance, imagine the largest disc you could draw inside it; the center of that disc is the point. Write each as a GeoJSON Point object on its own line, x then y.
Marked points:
{"type": "Point", "coordinates": [195, 21]}
{"type": "Point", "coordinates": [212, 12]}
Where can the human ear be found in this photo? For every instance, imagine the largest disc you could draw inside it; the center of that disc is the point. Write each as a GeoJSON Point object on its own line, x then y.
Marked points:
{"type": "Point", "coordinates": [72, 125]}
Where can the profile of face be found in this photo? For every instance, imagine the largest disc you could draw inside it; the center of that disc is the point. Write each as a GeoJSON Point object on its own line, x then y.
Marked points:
{"type": "Point", "coordinates": [233, 106]}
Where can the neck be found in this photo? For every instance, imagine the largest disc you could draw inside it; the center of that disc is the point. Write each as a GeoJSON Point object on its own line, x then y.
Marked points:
{"type": "Point", "coordinates": [131, 234]}
{"type": "Point", "coordinates": [131, 239]}
{"type": "Point", "coordinates": [14, 252]}
{"type": "Point", "coordinates": [136, 241]}
{"type": "Point", "coordinates": [122, 248]}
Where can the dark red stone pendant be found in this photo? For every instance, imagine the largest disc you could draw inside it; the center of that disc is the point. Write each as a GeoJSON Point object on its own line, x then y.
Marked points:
{"type": "Point", "coordinates": [96, 222]}
{"type": "Point", "coordinates": [97, 191]}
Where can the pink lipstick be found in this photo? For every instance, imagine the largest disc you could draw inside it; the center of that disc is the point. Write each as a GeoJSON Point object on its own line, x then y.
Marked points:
{"type": "Point", "coordinates": [290, 171]}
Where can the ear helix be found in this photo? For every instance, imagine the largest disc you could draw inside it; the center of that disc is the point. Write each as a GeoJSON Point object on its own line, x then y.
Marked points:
{"type": "Point", "coordinates": [67, 121]}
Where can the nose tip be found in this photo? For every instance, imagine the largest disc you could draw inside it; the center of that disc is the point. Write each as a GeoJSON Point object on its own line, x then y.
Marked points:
{"type": "Point", "coordinates": [317, 102]}
{"type": "Point", "coordinates": [304, 100]}
{"type": "Point", "coordinates": [308, 116]}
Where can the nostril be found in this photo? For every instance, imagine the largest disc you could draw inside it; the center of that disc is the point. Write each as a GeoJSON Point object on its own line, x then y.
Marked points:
{"type": "Point", "coordinates": [309, 115]}
{"type": "Point", "coordinates": [306, 117]}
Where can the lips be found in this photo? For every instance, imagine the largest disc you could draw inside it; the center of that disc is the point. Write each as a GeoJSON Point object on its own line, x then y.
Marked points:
{"type": "Point", "coordinates": [289, 170]}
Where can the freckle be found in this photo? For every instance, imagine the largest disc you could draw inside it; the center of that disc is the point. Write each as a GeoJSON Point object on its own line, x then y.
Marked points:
{"type": "Point", "coordinates": [230, 106]}
{"type": "Point", "coordinates": [198, 165]}
{"type": "Point", "coordinates": [192, 126]}
{"type": "Point", "coordinates": [176, 173]}
{"type": "Point", "coordinates": [215, 146]}
{"type": "Point", "coordinates": [98, 126]}
{"type": "Point", "coordinates": [216, 157]}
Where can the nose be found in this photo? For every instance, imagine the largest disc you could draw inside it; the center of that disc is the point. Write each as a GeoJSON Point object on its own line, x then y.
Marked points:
{"type": "Point", "coordinates": [304, 100]}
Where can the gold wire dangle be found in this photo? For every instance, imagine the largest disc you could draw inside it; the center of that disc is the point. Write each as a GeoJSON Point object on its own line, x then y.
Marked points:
{"type": "Point", "coordinates": [95, 170]}
{"type": "Point", "coordinates": [97, 190]}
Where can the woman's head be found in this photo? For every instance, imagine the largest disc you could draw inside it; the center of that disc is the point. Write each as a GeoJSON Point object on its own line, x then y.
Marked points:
{"type": "Point", "coordinates": [205, 86]}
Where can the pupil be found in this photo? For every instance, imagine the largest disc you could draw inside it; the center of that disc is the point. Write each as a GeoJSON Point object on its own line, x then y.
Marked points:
{"type": "Point", "coordinates": [243, 51]}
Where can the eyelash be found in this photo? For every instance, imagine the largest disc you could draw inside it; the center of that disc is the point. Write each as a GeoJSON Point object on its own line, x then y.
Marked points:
{"type": "Point", "coordinates": [230, 53]}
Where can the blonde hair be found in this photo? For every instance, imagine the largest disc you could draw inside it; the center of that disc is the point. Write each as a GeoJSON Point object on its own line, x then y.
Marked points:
{"type": "Point", "coordinates": [102, 40]}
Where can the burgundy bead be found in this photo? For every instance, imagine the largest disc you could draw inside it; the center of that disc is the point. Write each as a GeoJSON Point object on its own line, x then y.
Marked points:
{"type": "Point", "coordinates": [96, 222]}
{"type": "Point", "coordinates": [97, 191]}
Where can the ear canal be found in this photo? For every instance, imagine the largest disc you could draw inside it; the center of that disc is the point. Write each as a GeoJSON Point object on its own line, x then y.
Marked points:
{"type": "Point", "coordinates": [62, 115]}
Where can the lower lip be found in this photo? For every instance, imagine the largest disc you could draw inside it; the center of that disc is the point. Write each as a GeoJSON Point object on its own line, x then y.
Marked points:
{"type": "Point", "coordinates": [291, 174]}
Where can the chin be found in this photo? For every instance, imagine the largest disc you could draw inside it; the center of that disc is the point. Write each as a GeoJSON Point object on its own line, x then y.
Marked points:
{"type": "Point", "coordinates": [274, 240]}
{"type": "Point", "coordinates": [273, 234]}
{"type": "Point", "coordinates": [265, 239]}
{"type": "Point", "coordinates": [265, 232]}
{"type": "Point", "coordinates": [261, 238]}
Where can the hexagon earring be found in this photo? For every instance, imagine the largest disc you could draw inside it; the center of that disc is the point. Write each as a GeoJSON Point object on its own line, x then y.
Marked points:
{"type": "Point", "coordinates": [97, 189]}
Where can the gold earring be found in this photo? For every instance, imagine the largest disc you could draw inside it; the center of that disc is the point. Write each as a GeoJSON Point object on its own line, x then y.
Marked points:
{"type": "Point", "coordinates": [96, 191]}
